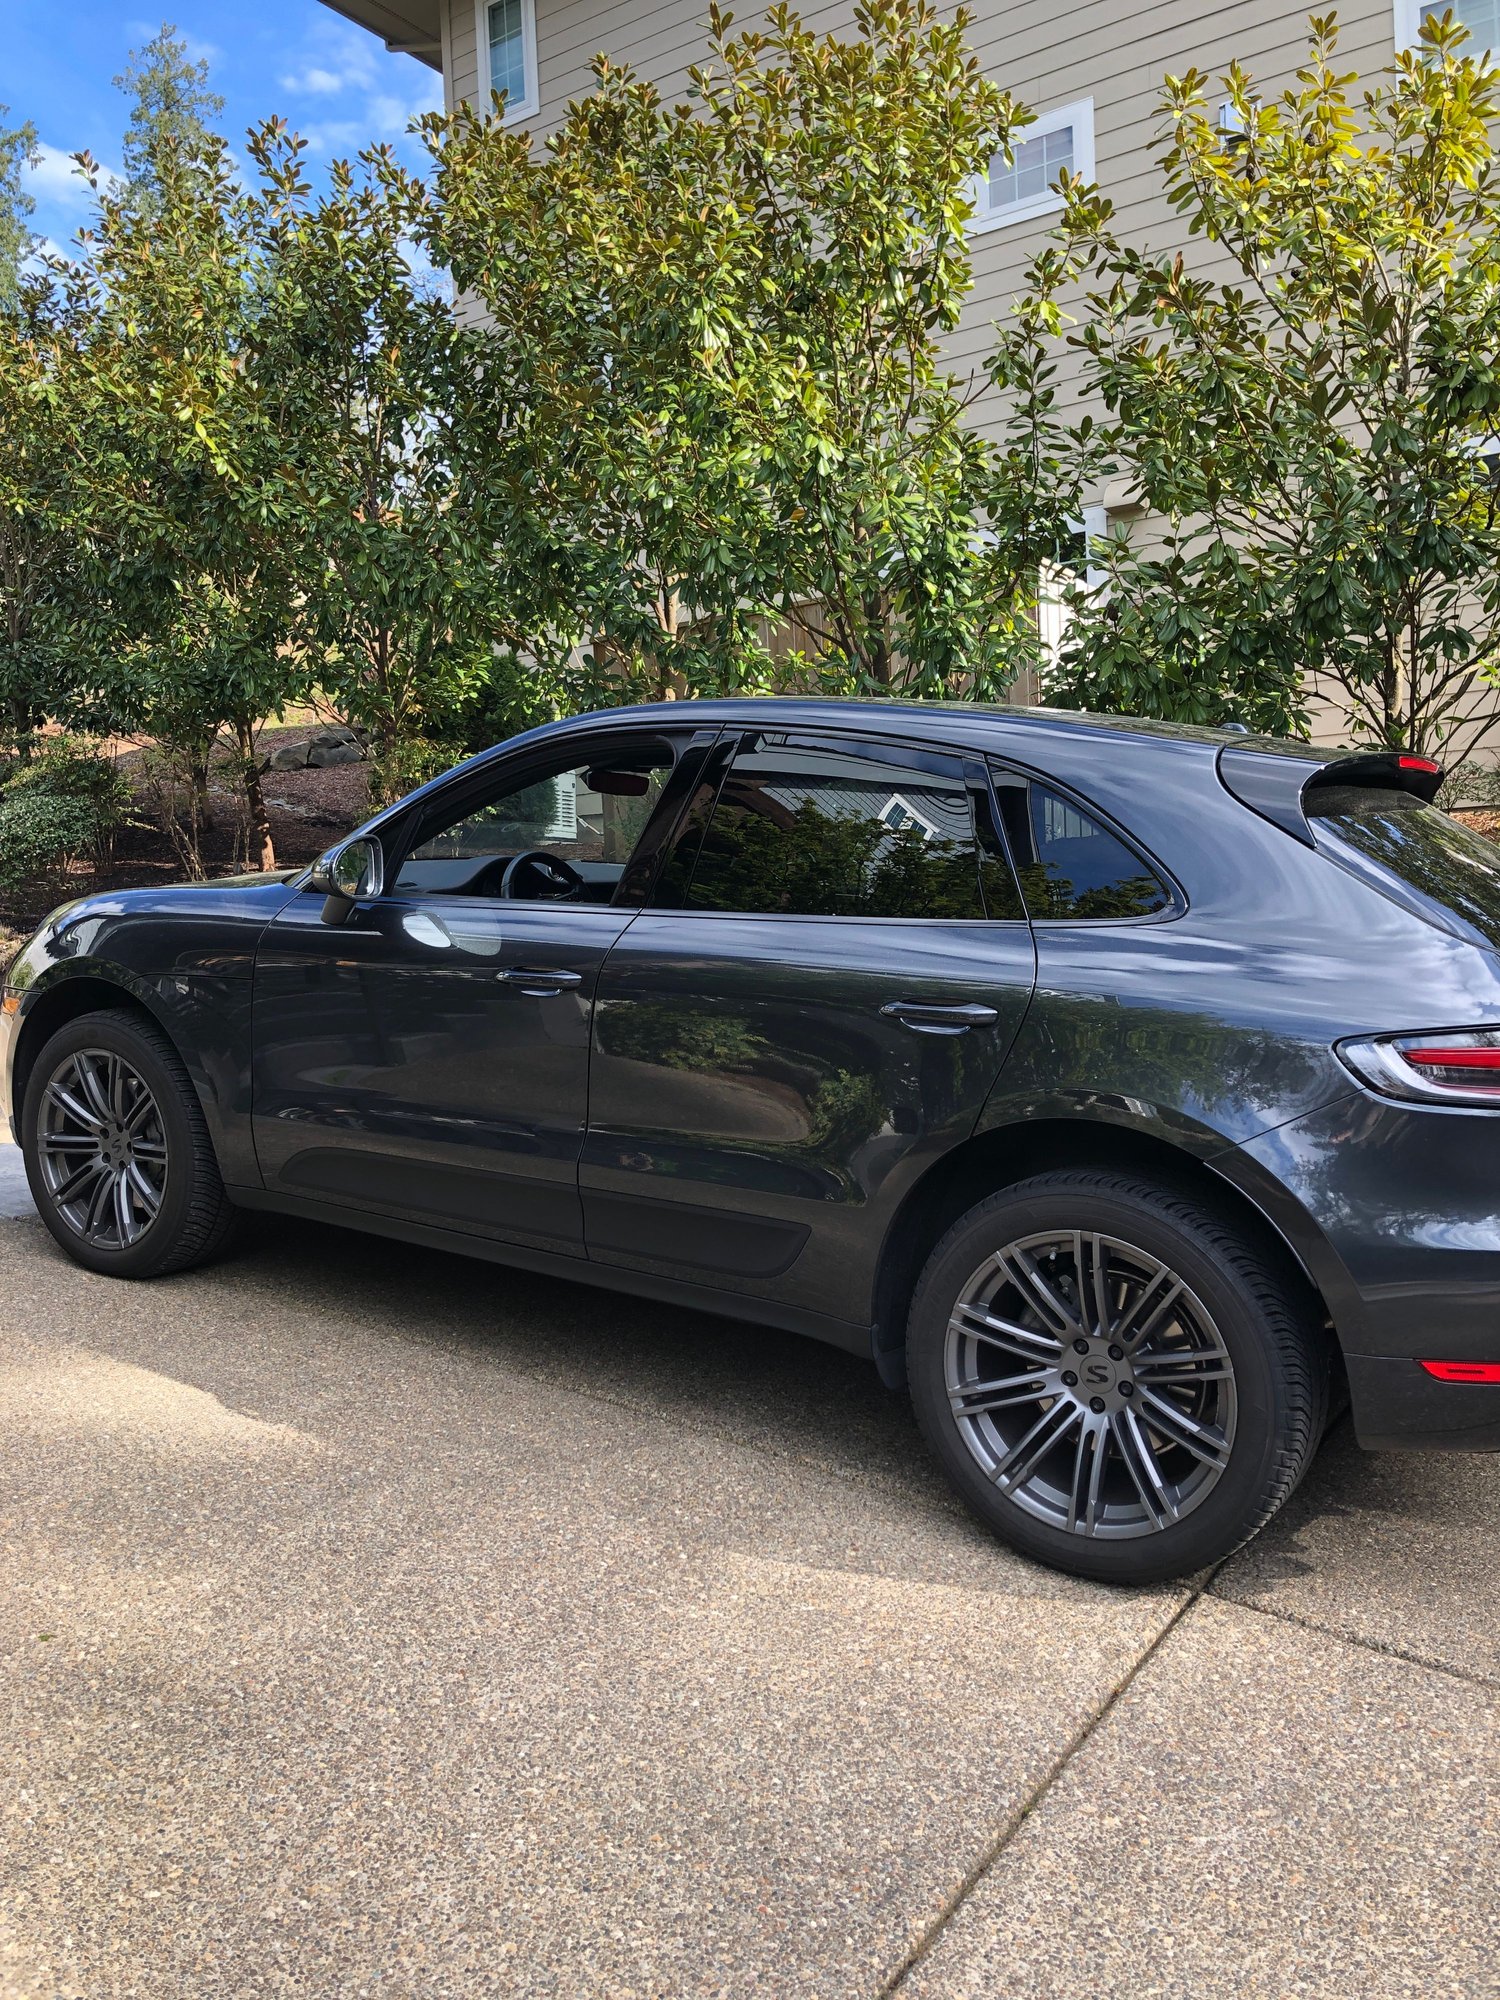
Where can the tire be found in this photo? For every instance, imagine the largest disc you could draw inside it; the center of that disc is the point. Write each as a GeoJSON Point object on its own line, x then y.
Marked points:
{"type": "Point", "coordinates": [1151, 1433]}
{"type": "Point", "coordinates": [111, 1095]}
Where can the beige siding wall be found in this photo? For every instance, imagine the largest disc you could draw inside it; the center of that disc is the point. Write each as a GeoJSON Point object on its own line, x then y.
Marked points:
{"type": "Point", "coordinates": [1118, 55]}
{"type": "Point", "coordinates": [1046, 54]}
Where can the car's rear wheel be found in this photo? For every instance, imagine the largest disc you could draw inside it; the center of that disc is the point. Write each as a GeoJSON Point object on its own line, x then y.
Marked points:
{"type": "Point", "coordinates": [1116, 1379]}
{"type": "Point", "coordinates": [117, 1151]}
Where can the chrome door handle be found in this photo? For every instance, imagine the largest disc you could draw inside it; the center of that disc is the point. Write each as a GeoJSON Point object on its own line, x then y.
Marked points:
{"type": "Point", "coordinates": [935, 1018]}
{"type": "Point", "coordinates": [541, 982]}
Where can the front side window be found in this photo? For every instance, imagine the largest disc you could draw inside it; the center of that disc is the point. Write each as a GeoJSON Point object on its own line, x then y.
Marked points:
{"type": "Point", "coordinates": [1025, 184]}
{"type": "Point", "coordinates": [507, 41]}
{"type": "Point", "coordinates": [813, 829]}
{"type": "Point", "coordinates": [1068, 863]}
{"type": "Point", "coordinates": [585, 820]}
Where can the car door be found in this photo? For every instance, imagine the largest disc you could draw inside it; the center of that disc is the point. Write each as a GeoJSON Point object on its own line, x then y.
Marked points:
{"type": "Point", "coordinates": [429, 1056]}
{"type": "Point", "coordinates": [813, 1009]}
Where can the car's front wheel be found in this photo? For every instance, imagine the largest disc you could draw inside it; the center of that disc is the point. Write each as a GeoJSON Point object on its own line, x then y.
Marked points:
{"type": "Point", "coordinates": [117, 1151]}
{"type": "Point", "coordinates": [1117, 1381]}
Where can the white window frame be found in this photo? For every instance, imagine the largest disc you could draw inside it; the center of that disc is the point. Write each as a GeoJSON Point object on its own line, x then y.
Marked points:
{"type": "Point", "coordinates": [1409, 16]}
{"type": "Point", "coordinates": [530, 103]}
{"type": "Point", "coordinates": [1080, 115]}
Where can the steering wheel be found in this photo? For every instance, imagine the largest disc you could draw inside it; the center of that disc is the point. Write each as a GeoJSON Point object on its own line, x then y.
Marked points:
{"type": "Point", "coordinates": [555, 876]}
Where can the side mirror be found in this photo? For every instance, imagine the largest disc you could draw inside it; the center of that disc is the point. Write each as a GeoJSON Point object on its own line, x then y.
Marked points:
{"type": "Point", "coordinates": [347, 875]}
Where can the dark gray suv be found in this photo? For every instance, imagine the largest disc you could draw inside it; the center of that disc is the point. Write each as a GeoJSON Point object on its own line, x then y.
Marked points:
{"type": "Point", "coordinates": [1126, 1092]}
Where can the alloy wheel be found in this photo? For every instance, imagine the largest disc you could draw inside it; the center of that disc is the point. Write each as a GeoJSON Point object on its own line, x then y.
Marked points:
{"type": "Point", "coordinates": [102, 1148]}
{"type": "Point", "coordinates": [1090, 1384]}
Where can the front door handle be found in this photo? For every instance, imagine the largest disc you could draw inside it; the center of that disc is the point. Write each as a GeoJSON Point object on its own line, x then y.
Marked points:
{"type": "Point", "coordinates": [928, 1017]}
{"type": "Point", "coordinates": [541, 982]}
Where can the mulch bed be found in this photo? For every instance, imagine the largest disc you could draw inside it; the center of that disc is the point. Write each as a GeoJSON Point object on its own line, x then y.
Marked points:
{"type": "Point", "coordinates": [308, 810]}
{"type": "Point", "coordinates": [1483, 819]}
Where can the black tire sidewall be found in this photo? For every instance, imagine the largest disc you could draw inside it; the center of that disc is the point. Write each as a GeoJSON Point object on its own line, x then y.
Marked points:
{"type": "Point", "coordinates": [1268, 1394]}
{"type": "Point", "coordinates": [147, 1051]}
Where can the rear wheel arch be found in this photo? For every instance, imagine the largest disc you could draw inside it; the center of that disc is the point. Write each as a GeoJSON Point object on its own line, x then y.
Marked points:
{"type": "Point", "coordinates": [1003, 1156]}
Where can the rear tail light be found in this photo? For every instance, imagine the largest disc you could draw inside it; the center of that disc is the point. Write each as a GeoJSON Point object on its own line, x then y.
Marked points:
{"type": "Point", "coordinates": [1454, 1066]}
{"type": "Point", "coordinates": [1465, 1371]}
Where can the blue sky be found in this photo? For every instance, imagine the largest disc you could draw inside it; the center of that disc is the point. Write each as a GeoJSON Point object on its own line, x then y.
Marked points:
{"type": "Point", "coordinates": [294, 58]}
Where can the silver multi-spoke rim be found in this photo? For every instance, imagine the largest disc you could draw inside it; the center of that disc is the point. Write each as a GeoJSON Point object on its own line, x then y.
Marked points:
{"type": "Point", "coordinates": [1091, 1384]}
{"type": "Point", "coordinates": [102, 1148]}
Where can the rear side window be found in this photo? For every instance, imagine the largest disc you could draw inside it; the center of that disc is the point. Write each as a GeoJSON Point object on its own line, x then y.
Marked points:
{"type": "Point", "coordinates": [1068, 863]}
{"type": "Point", "coordinates": [1443, 860]}
{"type": "Point", "coordinates": [803, 827]}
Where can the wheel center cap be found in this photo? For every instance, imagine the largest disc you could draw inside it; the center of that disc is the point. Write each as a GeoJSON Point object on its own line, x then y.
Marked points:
{"type": "Point", "coordinates": [1098, 1375]}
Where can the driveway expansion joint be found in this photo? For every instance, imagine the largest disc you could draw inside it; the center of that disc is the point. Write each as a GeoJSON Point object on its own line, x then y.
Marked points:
{"type": "Point", "coordinates": [1016, 1819]}
{"type": "Point", "coordinates": [1427, 1662]}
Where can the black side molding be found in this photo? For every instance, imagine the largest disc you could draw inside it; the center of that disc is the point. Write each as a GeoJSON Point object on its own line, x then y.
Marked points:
{"type": "Point", "coordinates": [1273, 783]}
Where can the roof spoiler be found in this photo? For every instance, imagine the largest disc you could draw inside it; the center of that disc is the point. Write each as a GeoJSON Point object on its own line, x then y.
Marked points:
{"type": "Point", "coordinates": [1274, 783]}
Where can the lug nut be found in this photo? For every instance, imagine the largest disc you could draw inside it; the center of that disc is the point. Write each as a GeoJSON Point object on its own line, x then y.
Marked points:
{"type": "Point", "coordinates": [1070, 1380]}
{"type": "Point", "coordinates": [1116, 1352]}
{"type": "Point", "coordinates": [1127, 1388]}
{"type": "Point", "coordinates": [1080, 1347]}
{"type": "Point", "coordinates": [1097, 1406]}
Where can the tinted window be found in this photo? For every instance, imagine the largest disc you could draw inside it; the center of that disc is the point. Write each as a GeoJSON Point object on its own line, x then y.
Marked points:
{"type": "Point", "coordinates": [839, 830]}
{"type": "Point", "coordinates": [1070, 865]}
{"type": "Point", "coordinates": [1438, 857]}
{"type": "Point", "coordinates": [591, 814]}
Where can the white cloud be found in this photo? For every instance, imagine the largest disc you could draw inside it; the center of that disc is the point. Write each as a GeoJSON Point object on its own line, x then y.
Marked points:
{"type": "Point", "coordinates": [55, 179]}
{"type": "Point", "coordinates": [338, 58]}
{"type": "Point", "coordinates": [365, 96]}
{"type": "Point", "coordinates": [314, 82]}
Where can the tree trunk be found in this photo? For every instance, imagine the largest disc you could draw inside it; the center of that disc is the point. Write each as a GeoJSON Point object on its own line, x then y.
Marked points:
{"type": "Point", "coordinates": [255, 799]}
{"type": "Point", "coordinates": [878, 653]}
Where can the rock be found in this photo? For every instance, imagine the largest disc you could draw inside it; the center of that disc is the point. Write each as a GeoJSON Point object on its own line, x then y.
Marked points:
{"type": "Point", "coordinates": [290, 757]}
{"type": "Point", "coordinates": [319, 756]}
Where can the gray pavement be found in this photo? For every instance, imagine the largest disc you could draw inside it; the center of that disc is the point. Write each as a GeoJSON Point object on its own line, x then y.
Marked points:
{"type": "Point", "coordinates": [15, 1195]}
{"type": "Point", "coordinates": [374, 1622]}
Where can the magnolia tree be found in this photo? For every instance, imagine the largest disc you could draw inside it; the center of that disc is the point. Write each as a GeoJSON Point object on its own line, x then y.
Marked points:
{"type": "Point", "coordinates": [717, 405]}
{"type": "Point", "coordinates": [33, 454]}
{"type": "Point", "coordinates": [191, 513]}
{"type": "Point", "coordinates": [380, 394]}
{"type": "Point", "coordinates": [1309, 407]}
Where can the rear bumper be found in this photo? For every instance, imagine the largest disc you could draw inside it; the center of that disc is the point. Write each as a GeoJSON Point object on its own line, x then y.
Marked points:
{"type": "Point", "coordinates": [1394, 1211]}
{"type": "Point", "coordinates": [1397, 1406]}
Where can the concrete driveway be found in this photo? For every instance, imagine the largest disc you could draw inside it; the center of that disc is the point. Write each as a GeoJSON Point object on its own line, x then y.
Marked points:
{"type": "Point", "coordinates": [376, 1623]}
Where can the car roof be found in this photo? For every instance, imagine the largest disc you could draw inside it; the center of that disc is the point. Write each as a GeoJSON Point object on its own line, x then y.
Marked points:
{"type": "Point", "coordinates": [1067, 744]}
{"type": "Point", "coordinates": [874, 710]}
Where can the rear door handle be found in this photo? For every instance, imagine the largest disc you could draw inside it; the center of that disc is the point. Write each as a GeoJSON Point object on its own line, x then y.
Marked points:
{"type": "Point", "coordinates": [541, 982]}
{"type": "Point", "coordinates": [928, 1017]}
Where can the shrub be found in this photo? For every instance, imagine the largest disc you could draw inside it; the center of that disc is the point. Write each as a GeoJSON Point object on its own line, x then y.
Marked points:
{"type": "Point", "coordinates": [67, 801]}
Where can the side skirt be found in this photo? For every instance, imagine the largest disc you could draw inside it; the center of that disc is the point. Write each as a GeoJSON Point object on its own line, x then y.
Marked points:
{"type": "Point", "coordinates": [852, 1337]}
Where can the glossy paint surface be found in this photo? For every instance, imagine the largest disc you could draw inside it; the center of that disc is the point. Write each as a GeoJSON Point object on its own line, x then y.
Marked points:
{"type": "Point", "coordinates": [754, 1111]}
{"type": "Point", "coordinates": [187, 955]}
{"type": "Point", "coordinates": [399, 1065]}
{"type": "Point", "coordinates": [720, 1102]}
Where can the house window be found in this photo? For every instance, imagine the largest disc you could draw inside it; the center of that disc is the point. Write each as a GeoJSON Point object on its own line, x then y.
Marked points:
{"type": "Point", "coordinates": [507, 54]}
{"type": "Point", "coordinates": [1480, 17]}
{"type": "Point", "coordinates": [898, 815]}
{"type": "Point", "coordinates": [1026, 184]}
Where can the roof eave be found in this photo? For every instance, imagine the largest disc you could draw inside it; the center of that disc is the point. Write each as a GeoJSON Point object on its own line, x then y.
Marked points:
{"type": "Point", "coordinates": [408, 28]}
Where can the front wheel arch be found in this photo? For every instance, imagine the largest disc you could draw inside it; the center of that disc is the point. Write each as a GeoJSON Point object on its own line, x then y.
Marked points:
{"type": "Point", "coordinates": [57, 1004]}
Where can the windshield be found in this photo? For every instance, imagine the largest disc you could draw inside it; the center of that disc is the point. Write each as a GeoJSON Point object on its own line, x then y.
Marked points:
{"type": "Point", "coordinates": [1445, 862]}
